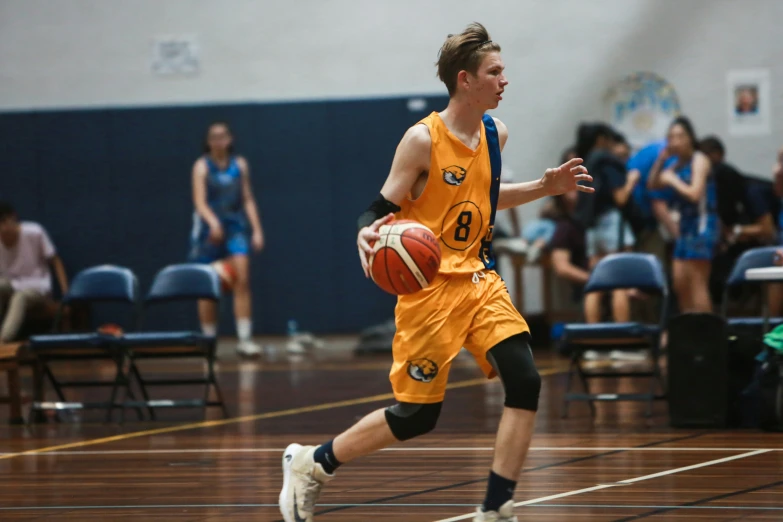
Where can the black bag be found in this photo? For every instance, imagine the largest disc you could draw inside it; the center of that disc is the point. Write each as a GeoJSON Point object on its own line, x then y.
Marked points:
{"type": "Point", "coordinates": [698, 371]}
{"type": "Point", "coordinates": [742, 368]}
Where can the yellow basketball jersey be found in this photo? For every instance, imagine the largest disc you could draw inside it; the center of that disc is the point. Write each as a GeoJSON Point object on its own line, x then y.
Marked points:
{"type": "Point", "coordinates": [459, 200]}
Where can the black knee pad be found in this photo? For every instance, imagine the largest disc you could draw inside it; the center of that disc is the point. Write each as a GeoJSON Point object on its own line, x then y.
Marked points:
{"type": "Point", "coordinates": [407, 420]}
{"type": "Point", "coordinates": [512, 359]}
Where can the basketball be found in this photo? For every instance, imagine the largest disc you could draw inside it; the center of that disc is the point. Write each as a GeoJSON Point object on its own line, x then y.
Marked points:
{"type": "Point", "coordinates": [227, 274]}
{"type": "Point", "coordinates": [406, 258]}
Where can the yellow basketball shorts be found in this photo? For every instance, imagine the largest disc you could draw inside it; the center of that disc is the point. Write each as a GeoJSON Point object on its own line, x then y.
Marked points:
{"type": "Point", "coordinates": [471, 310]}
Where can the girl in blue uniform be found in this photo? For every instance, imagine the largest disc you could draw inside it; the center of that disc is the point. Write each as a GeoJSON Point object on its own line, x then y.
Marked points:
{"type": "Point", "coordinates": [696, 199]}
{"type": "Point", "coordinates": [226, 225]}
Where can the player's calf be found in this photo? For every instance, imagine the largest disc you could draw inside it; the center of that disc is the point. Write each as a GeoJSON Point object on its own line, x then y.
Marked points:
{"type": "Point", "coordinates": [512, 359]}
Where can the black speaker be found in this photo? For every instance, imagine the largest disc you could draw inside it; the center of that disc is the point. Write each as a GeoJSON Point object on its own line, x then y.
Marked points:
{"type": "Point", "coordinates": [697, 362]}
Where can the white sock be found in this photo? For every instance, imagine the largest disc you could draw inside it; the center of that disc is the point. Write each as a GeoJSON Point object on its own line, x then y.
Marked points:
{"type": "Point", "coordinates": [209, 329]}
{"type": "Point", "coordinates": [244, 329]}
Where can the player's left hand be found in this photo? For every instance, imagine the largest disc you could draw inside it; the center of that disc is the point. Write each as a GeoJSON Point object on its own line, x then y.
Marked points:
{"type": "Point", "coordinates": [257, 241]}
{"type": "Point", "coordinates": [565, 177]}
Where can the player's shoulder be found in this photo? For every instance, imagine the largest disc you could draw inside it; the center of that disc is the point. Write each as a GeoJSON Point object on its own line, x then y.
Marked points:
{"type": "Point", "coordinates": [417, 138]}
{"type": "Point", "coordinates": [419, 133]}
{"type": "Point", "coordinates": [701, 160]}
{"type": "Point", "coordinates": [499, 124]}
{"type": "Point", "coordinates": [200, 165]}
{"type": "Point", "coordinates": [241, 162]}
{"type": "Point", "coordinates": [502, 131]}
{"type": "Point", "coordinates": [31, 228]}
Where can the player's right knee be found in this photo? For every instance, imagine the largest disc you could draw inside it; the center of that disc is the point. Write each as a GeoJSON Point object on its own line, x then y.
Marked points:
{"type": "Point", "coordinates": [407, 420]}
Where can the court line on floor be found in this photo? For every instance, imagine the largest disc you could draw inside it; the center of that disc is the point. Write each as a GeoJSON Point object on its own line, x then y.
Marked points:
{"type": "Point", "coordinates": [696, 503]}
{"type": "Point", "coordinates": [235, 506]}
{"type": "Point", "coordinates": [573, 460]}
{"type": "Point", "coordinates": [620, 483]}
{"type": "Point", "coordinates": [436, 449]}
{"type": "Point", "coordinates": [175, 368]}
{"type": "Point", "coordinates": [249, 418]}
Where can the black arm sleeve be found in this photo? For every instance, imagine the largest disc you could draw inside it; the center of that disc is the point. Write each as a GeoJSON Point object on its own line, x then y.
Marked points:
{"type": "Point", "coordinates": [377, 209]}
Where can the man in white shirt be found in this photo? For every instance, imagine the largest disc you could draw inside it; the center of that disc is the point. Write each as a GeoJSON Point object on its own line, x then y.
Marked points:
{"type": "Point", "coordinates": [26, 255]}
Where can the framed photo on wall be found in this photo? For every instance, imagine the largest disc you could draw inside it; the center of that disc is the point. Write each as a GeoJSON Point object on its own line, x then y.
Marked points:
{"type": "Point", "coordinates": [748, 102]}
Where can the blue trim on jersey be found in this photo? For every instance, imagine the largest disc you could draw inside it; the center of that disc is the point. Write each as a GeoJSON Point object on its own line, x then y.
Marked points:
{"type": "Point", "coordinates": [224, 189]}
{"type": "Point", "coordinates": [493, 144]}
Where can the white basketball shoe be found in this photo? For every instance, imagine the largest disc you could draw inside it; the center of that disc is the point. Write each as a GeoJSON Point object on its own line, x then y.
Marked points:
{"type": "Point", "coordinates": [303, 479]}
{"type": "Point", "coordinates": [504, 514]}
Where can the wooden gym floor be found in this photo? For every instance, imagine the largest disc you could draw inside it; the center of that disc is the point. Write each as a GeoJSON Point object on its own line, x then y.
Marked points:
{"type": "Point", "coordinates": [620, 466]}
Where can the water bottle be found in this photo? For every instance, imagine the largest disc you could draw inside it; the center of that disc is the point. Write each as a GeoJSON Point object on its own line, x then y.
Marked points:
{"type": "Point", "coordinates": [294, 345]}
{"type": "Point", "coordinates": [293, 328]}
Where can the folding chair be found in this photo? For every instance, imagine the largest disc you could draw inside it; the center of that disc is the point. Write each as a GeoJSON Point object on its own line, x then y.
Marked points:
{"type": "Point", "coordinates": [754, 258]}
{"type": "Point", "coordinates": [100, 284]}
{"type": "Point", "coordinates": [177, 283]}
{"type": "Point", "coordinates": [615, 272]}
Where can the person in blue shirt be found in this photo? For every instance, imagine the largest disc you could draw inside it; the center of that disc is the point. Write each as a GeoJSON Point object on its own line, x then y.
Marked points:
{"type": "Point", "coordinates": [696, 199]}
{"type": "Point", "coordinates": [226, 225]}
{"type": "Point", "coordinates": [652, 204]}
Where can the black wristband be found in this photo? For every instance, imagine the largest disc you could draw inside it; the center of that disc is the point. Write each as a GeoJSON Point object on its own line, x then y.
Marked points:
{"type": "Point", "coordinates": [377, 209]}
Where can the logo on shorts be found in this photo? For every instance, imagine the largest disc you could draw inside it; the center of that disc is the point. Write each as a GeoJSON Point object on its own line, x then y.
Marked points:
{"type": "Point", "coordinates": [454, 175]}
{"type": "Point", "coordinates": [422, 370]}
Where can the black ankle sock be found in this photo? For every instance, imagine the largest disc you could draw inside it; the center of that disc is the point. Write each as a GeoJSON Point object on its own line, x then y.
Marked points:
{"type": "Point", "coordinates": [324, 455]}
{"type": "Point", "coordinates": [499, 491]}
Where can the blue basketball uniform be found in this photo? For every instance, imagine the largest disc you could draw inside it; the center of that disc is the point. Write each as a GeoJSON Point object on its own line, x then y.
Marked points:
{"type": "Point", "coordinates": [224, 197]}
{"type": "Point", "coordinates": [699, 229]}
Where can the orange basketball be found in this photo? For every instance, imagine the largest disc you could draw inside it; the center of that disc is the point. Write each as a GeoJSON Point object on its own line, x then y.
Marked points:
{"type": "Point", "coordinates": [406, 258]}
{"type": "Point", "coordinates": [226, 273]}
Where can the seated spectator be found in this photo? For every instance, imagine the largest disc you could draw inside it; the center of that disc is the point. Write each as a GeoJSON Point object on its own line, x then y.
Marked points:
{"type": "Point", "coordinates": [607, 232]}
{"type": "Point", "coordinates": [570, 262]}
{"type": "Point", "coordinates": [26, 255]}
{"type": "Point", "coordinates": [620, 147]}
{"type": "Point", "coordinates": [777, 176]}
{"type": "Point", "coordinates": [538, 233]}
{"type": "Point", "coordinates": [730, 183]}
{"type": "Point", "coordinates": [748, 210]}
{"type": "Point", "coordinates": [776, 290]}
{"type": "Point", "coordinates": [762, 211]}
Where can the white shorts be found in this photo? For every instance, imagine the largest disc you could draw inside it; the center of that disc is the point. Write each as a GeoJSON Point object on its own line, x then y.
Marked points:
{"type": "Point", "coordinates": [602, 239]}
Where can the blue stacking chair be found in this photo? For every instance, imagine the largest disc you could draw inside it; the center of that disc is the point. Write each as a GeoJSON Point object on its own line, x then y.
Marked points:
{"type": "Point", "coordinates": [615, 272]}
{"type": "Point", "coordinates": [99, 284]}
{"type": "Point", "coordinates": [754, 258]}
{"type": "Point", "coordinates": [177, 283]}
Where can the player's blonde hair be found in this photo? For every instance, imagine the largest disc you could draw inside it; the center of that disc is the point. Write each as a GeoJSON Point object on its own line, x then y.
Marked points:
{"type": "Point", "coordinates": [463, 52]}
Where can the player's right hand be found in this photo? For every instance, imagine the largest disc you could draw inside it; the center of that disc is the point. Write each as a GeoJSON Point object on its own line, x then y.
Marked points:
{"type": "Point", "coordinates": [216, 233]}
{"type": "Point", "coordinates": [367, 236]}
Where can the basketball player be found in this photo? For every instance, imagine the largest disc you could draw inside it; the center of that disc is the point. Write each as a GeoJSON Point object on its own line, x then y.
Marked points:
{"type": "Point", "coordinates": [696, 197]}
{"type": "Point", "coordinates": [445, 174]}
{"type": "Point", "coordinates": [225, 225]}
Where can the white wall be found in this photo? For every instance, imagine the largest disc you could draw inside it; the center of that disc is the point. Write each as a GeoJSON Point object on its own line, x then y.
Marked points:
{"type": "Point", "coordinates": [561, 56]}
